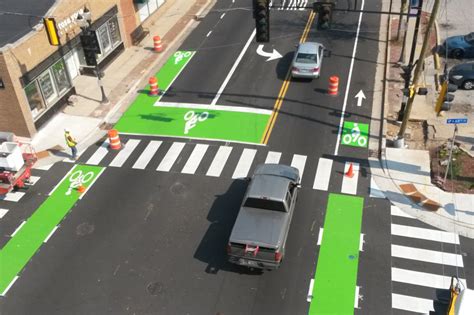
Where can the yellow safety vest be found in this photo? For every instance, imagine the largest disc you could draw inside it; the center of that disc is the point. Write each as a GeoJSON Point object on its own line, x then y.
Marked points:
{"type": "Point", "coordinates": [69, 140]}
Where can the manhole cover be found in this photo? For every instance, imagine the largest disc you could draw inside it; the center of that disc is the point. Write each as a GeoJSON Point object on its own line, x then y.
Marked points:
{"type": "Point", "coordinates": [178, 188]}
{"type": "Point", "coordinates": [84, 229]}
{"type": "Point", "coordinates": [154, 288]}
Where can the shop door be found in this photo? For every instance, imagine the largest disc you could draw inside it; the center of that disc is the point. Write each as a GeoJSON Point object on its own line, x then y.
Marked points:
{"type": "Point", "coordinates": [72, 64]}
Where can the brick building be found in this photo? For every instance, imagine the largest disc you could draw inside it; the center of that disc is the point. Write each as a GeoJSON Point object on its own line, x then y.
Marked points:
{"type": "Point", "coordinates": [36, 78]}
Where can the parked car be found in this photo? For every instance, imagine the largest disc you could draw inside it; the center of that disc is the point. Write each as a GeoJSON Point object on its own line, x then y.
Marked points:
{"type": "Point", "coordinates": [461, 46]}
{"type": "Point", "coordinates": [462, 75]}
{"type": "Point", "coordinates": [259, 235]}
{"type": "Point", "coordinates": [307, 60]}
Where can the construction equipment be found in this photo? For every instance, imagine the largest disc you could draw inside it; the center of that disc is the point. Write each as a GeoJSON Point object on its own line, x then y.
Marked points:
{"type": "Point", "coordinates": [461, 301]}
{"type": "Point", "coordinates": [16, 160]}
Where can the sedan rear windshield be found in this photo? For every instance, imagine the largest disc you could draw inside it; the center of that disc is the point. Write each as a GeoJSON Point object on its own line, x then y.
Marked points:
{"type": "Point", "coordinates": [265, 204]}
{"type": "Point", "coordinates": [306, 58]}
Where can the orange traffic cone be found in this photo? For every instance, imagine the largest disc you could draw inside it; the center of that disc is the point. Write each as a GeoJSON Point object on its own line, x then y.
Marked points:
{"type": "Point", "coordinates": [81, 189]}
{"type": "Point", "coordinates": [350, 171]}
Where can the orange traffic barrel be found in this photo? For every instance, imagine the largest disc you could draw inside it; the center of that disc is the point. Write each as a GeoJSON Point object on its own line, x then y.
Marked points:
{"type": "Point", "coordinates": [114, 140]}
{"type": "Point", "coordinates": [333, 85]}
{"type": "Point", "coordinates": [154, 91]}
{"type": "Point", "coordinates": [157, 45]}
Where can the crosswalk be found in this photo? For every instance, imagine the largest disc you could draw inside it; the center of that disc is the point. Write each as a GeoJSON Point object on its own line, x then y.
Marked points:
{"type": "Point", "coordinates": [423, 261]}
{"type": "Point", "coordinates": [289, 4]}
{"type": "Point", "coordinates": [213, 160]}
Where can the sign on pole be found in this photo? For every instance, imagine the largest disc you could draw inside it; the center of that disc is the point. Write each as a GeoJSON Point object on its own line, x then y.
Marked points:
{"type": "Point", "coordinates": [457, 121]}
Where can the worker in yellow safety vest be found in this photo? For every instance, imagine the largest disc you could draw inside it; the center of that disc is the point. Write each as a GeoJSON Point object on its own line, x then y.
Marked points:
{"type": "Point", "coordinates": [71, 142]}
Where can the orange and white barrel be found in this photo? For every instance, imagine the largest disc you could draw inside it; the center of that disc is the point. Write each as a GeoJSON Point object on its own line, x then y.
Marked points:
{"type": "Point", "coordinates": [114, 140]}
{"type": "Point", "coordinates": [154, 91]}
{"type": "Point", "coordinates": [333, 85]}
{"type": "Point", "coordinates": [157, 45]}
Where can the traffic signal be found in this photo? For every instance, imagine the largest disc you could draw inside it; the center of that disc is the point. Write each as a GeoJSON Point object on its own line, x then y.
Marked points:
{"type": "Point", "coordinates": [324, 11]}
{"type": "Point", "coordinates": [91, 47]}
{"type": "Point", "coordinates": [445, 98]}
{"type": "Point", "coordinates": [262, 20]}
{"type": "Point", "coordinates": [52, 31]}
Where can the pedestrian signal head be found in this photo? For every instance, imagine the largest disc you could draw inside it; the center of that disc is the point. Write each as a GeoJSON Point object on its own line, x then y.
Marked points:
{"type": "Point", "coordinates": [445, 98]}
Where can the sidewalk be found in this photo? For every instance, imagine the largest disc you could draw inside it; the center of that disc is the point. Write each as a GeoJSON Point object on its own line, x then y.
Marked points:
{"type": "Point", "coordinates": [88, 119]}
{"type": "Point", "coordinates": [404, 175]}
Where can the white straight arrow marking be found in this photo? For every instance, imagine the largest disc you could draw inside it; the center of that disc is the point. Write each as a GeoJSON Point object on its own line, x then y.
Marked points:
{"type": "Point", "coordinates": [271, 56]}
{"type": "Point", "coordinates": [359, 96]}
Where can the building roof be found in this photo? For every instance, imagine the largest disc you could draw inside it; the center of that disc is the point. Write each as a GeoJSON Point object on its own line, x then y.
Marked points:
{"type": "Point", "coordinates": [19, 17]}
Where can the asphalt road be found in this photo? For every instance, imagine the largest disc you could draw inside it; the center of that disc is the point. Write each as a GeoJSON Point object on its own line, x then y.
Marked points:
{"type": "Point", "coordinates": [149, 242]}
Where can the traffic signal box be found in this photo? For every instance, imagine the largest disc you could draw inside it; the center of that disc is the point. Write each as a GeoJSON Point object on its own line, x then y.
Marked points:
{"type": "Point", "coordinates": [262, 20]}
{"type": "Point", "coordinates": [323, 10]}
{"type": "Point", "coordinates": [445, 98]}
{"type": "Point", "coordinates": [91, 47]}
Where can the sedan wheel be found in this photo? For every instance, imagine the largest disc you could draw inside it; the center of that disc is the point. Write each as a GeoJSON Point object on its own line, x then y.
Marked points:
{"type": "Point", "coordinates": [468, 85]}
{"type": "Point", "coordinates": [458, 53]}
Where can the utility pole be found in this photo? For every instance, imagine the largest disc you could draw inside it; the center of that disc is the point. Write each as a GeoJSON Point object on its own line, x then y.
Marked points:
{"type": "Point", "coordinates": [403, 8]}
{"type": "Point", "coordinates": [416, 77]}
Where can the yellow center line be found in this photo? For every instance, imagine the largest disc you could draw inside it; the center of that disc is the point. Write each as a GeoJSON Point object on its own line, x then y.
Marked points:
{"type": "Point", "coordinates": [284, 87]}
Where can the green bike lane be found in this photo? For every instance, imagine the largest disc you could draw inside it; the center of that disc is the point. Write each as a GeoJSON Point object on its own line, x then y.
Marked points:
{"type": "Point", "coordinates": [148, 116]}
{"type": "Point", "coordinates": [335, 281]}
{"type": "Point", "coordinates": [41, 225]}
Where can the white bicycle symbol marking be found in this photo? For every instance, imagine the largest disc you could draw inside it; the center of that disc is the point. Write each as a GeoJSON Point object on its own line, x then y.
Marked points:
{"type": "Point", "coordinates": [79, 178]}
{"type": "Point", "coordinates": [192, 119]}
{"type": "Point", "coordinates": [355, 136]}
{"type": "Point", "coordinates": [179, 55]}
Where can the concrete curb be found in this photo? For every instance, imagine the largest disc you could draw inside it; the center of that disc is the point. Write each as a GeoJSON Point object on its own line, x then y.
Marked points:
{"type": "Point", "coordinates": [378, 125]}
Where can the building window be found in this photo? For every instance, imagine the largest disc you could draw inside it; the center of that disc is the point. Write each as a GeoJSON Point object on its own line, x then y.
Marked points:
{"type": "Point", "coordinates": [61, 77]}
{"type": "Point", "coordinates": [109, 37]}
{"type": "Point", "coordinates": [114, 31]}
{"type": "Point", "coordinates": [47, 88]}
{"type": "Point", "coordinates": [147, 8]}
{"type": "Point", "coordinates": [104, 40]}
{"type": "Point", "coordinates": [34, 99]}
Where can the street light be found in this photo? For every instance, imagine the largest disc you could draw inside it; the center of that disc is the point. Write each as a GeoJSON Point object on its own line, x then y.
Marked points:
{"type": "Point", "coordinates": [84, 21]}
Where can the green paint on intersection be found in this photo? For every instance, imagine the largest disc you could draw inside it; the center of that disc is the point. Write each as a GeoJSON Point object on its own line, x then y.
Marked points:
{"type": "Point", "coordinates": [141, 111]}
{"type": "Point", "coordinates": [28, 239]}
{"type": "Point", "coordinates": [336, 272]}
{"type": "Point", "coordinates": [204, 122]}
{"type": "Point", "coordinates": [355, 134]}
{"type": "Point", "coordinates": [149, 117]}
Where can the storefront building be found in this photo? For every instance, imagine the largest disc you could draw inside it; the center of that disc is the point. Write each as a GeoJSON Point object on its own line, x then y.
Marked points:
{"type": "Point", "coordinates": [36, 79]}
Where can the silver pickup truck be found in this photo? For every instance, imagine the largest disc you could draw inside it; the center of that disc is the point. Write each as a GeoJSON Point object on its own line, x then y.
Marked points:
{"type": "Point", "coordinates": [259, 234]}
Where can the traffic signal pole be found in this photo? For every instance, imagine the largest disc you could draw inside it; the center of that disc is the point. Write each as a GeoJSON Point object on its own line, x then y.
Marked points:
{"type": "Point", "coordinates": [416, 77]}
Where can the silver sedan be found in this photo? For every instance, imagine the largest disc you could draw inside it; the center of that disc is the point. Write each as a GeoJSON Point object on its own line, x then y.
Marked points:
{"type": "Point", "coordinates": [307, 60]}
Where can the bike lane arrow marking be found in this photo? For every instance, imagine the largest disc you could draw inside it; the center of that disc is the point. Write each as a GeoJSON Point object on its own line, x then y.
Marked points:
{"type": "Point", "coordinates": [359, 97]}
{"type": "Point", "coordinates": [271, 56]}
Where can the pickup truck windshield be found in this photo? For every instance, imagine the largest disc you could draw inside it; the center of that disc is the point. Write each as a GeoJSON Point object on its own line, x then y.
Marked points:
{"type": "Point", "coordinates": [265, 204]}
